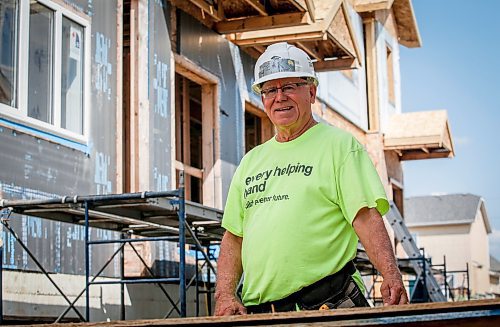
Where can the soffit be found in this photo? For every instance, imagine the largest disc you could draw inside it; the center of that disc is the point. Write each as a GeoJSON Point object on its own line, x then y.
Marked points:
{"type": "Point", "coordinates": [322, 28]}
{"type": "Point", "coordinates": [419, 135]}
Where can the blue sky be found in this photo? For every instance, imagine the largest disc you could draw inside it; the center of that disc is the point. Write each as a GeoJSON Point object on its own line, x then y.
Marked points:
{"type": "Point", "coordinates": [458, 69]}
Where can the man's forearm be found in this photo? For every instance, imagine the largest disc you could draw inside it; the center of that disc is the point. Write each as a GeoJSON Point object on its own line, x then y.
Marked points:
{"type": "Point", "coordinates": [371, 231]}
{"type": "Point", "coordinates": [229, 268]}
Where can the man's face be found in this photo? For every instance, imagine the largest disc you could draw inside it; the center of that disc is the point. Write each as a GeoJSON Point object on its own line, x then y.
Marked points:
{"type": "Point", "coordinates": [289, 110]}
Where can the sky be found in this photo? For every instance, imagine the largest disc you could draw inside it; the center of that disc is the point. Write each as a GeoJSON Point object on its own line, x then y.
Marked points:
{"type": "Point", "coordinates": [458, 69]}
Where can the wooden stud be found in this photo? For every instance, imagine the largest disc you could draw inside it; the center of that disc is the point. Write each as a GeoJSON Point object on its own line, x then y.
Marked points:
{"type": "Point", "coordinates": [372, 75]}
{"type": "Point", "coordinates": [133, 113]}
{"type": "Point", "coordinates": [120, 156]}
{"type": "Point", "coordinates": [311, 9]}
{"type": "Point", "coordinates": [207, 105]}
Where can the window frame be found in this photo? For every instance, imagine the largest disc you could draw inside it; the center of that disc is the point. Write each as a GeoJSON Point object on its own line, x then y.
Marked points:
{"type": "Point", "coordinates": [17, 118]}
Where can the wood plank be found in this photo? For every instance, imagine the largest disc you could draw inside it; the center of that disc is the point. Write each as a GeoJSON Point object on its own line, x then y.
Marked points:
{"type": "Point", "coordinates": [337, 64]}
{"type": "Point", "coordinates": [189, 69]}
{"type": "Point", "coordinates": [261, 23]}
{"type": "Point", "coordinates": [463, 313]}
{"type": "Point", "coordinates": [372, 75]}
{"type": "Point", "coordinates": [133, 108]}
{"type": "Point", "coordinates": [372, 5]}
{"type": "Point", "coordinates": [189, 170]}
{"type": "Point", "coordinates": [120, 121]}
{"type": "Point", "coordinates": [255, 4]}
{"type": "Point", "coordinates": [418, 155]}
{"type": "Point", "coordinates": [208, 131]}
{"type": "Point", "coordinates": [312, 36]}
{"type": "Point", "coordinates": [311, 9]}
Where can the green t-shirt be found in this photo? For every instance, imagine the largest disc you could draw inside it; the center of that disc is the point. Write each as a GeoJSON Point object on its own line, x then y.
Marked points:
{"type": "Point", "coordinates": [293, 203]}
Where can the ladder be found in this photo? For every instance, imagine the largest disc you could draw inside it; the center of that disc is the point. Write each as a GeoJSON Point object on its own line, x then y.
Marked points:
{"type": "Point", "coordinates": [419, 264]}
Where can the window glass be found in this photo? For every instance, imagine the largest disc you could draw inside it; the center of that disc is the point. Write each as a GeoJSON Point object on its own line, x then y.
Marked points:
{"type": "Point", "coordinates": [72, 76]}
{"type": "Point", "coordinates": [8, 52]}
{"type": "Point", "coordinates": [40, 66]}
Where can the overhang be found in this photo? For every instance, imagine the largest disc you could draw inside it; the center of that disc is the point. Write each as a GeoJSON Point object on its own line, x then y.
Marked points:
{"type": "Point", "coordinates": [322, 28]}
{"type": "Point", "coordinates": [406, 23]}
{"type": "Point", "coordinates": [419, 135]}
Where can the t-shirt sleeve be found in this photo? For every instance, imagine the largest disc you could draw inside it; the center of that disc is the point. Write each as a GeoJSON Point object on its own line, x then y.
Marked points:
{"type": "Point", "coordinates": [359, 185]}
{"type": "Point", "coordinates": [232, 220]}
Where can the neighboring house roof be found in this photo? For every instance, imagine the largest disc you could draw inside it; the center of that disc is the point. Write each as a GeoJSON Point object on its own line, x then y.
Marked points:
{"type": "Point", "coordinates": [450, 209]}
{"type": "Point", "coordinates": [494, 264]}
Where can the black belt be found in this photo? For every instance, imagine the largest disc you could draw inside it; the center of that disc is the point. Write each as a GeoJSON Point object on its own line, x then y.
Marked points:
{"type": "Point", "coordinates": [310, 295]}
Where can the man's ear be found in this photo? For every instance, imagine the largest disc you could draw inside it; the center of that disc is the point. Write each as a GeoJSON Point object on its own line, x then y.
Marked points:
{"type": "Point", "coordinates": [312, 92]}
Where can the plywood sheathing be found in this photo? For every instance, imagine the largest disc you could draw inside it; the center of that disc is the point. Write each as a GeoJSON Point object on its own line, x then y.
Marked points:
{"type": "Point", "coordinates": [406, 24]}
{"type": "Point", "coordinates": [408, 33]}
{"type": "Point", "coordinates": [420, 135]}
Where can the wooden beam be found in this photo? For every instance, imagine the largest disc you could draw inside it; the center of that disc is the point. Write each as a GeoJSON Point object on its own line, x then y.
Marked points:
{"type": "Point", "coordinates": [311, 9]}
{"type": "Point", "coordinates": [372, 5]}
{"type": "Point", "coordinates": [311, 36]}
{"type": "Point", "coordinates": [419, 155]}
{"type": "Point", "coordinates": [255, 4]}
{"type": "Point", "coordinates": [261, 23]}
{"type": "Point", "coordinates": [120, 121]}
{"type": "Point", "coordinates": [459, 313]}
{"type": "Point", "coordinates": [189, 69]}
{"type": "Point", "coordinates": [311, 52]}
{"type": "Point", "coordinates": [191, 171]}
{"type": "Point", "coordinates": [335, 64]}
{"type": "Point", "coordinates": [372, 75]}
{"type": "Point", "coordinates": [209, 9]}
{"type": "Point", "coordinates": [207, 117]}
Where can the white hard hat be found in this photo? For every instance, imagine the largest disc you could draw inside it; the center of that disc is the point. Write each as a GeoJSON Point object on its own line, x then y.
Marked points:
{"type": "Point", "coordinates": [281, 60]}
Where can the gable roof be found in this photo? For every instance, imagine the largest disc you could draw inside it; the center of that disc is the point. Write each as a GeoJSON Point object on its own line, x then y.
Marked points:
{"type": "Point", "coordinates": [450, 209]}
{"type": "Point", "coordinates": [494, 264]}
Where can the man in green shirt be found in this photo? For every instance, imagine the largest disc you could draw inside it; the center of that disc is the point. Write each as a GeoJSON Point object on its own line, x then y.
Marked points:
{"type": "Point", "coordinates": [298, 204]}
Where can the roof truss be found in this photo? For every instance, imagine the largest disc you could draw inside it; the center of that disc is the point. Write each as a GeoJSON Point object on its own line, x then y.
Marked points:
{"type": "Point", "coordinates": [322, 28]}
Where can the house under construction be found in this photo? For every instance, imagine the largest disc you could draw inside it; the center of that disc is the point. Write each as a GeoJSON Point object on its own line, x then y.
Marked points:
{"type": "Point", "coordinates": [109, 97]}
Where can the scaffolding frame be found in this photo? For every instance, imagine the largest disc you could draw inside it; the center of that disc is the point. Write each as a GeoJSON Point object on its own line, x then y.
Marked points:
{"type": "Point", "coordinates": [154, 216]}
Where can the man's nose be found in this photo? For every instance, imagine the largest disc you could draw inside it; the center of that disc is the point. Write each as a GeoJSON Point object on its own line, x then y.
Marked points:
{"type": "Point", "coordinates": [280, 95]}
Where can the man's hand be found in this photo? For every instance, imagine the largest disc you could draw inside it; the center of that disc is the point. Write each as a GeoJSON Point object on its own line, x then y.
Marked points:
{"type": "Point", "coordinates": [228, 305]}
{"type": "Point", "coordinates": [393, 291]}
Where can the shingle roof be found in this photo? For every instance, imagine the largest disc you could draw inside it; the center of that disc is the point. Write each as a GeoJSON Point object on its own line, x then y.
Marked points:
{"type": "Point", "coordinates": [444, 210]}
{"type": "Point", "coordinates": [494, 264]}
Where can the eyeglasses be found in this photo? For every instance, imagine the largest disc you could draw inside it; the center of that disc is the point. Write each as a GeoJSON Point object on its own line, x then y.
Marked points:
{"type": "Point", "coordinates": [290, 88]}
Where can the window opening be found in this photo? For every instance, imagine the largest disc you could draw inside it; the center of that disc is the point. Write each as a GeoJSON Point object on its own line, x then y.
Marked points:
{"type": "Point", "coordinates": [189, 138]}
{"type": "Point", "coordinates": [258, 127]}
{"type": "Point", "coordinates": [40, 63]}
{"type": "Point", "coordinates": [8, 52]}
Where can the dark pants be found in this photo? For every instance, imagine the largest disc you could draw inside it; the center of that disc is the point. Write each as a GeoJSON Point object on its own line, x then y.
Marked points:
{"type": "Point", "coordinates": [335, 291]}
